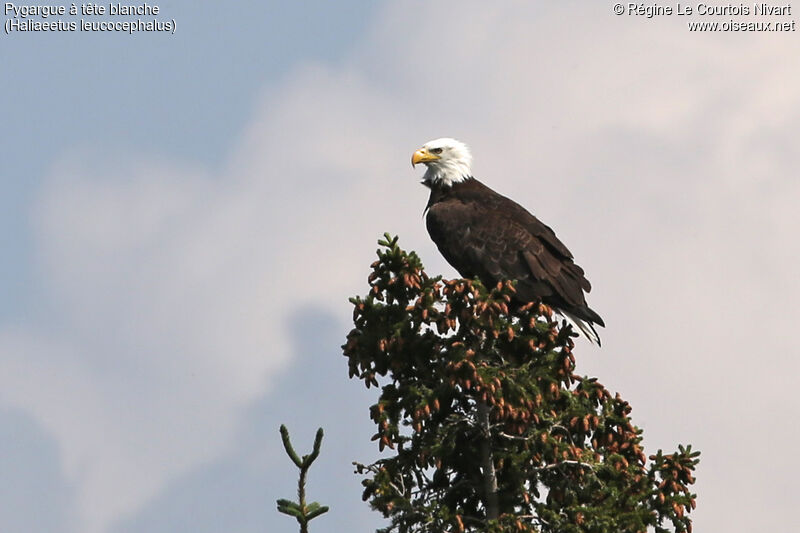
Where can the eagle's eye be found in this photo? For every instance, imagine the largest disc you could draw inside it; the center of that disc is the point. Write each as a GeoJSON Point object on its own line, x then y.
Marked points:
{"type": "Point", "coordinates": [436, 151]}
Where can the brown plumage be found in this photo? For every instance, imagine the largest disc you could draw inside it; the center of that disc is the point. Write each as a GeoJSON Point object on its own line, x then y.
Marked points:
{"type": "Point", "coordinates": [486, 235]}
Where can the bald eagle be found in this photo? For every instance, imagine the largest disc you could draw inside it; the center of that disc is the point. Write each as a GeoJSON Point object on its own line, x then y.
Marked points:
{"type": "Point", "coordinates": [486, 235]}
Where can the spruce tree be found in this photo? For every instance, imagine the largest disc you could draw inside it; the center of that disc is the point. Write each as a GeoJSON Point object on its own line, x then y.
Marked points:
{"type": "Point", "coordinates": [302, 511]}
{"type": "Point", "coordinates": [485, 422]}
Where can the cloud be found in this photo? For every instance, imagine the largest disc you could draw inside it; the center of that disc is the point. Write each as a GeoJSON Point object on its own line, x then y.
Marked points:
{"type": "Point", "coordinates": [33, 479]}
{"type": "Point", "coordinates": [666, 160]}
{"type": "Point", "coordinates": [237, 491]}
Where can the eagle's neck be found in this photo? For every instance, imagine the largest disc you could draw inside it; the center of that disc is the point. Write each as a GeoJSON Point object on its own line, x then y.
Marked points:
{"type": "Point", "coordinates": [446, 173]}
{"type": "Point", "coordinates": [441, 192]}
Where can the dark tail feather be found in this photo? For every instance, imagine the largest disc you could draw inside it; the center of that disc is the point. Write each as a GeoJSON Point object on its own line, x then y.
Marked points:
{"type": "Point", "coordinates": [585, 326]}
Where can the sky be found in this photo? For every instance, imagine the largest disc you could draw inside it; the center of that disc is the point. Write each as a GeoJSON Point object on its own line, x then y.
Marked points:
{"type": "Point", "coordinates": [185, 215]}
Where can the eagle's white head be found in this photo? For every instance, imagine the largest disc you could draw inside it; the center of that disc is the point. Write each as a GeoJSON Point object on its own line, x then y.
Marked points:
{"type": "Point", "coordinates": [448, 161]}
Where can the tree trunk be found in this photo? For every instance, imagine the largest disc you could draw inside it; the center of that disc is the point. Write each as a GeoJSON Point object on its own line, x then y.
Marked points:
{"type": "Point", "coordinates": [487, 464]}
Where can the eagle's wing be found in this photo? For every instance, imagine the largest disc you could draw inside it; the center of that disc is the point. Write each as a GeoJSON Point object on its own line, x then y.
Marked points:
{"type": "Point", "coordinates": [500, 240]}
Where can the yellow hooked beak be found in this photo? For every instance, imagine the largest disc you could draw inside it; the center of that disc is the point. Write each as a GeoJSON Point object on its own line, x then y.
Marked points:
{"type": "Point", "coordinates": [423, 156]}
